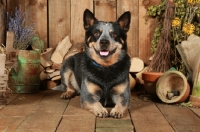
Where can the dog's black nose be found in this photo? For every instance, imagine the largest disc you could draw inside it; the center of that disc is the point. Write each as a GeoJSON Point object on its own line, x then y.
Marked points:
{"type": "Point", "coordinates": [104, 42]}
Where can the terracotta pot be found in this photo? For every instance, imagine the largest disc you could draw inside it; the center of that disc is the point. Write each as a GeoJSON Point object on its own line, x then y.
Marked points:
{"type": "Point", "coordinates": [150, 79]}
{"type": "Point", "coordinates": [172, 81]}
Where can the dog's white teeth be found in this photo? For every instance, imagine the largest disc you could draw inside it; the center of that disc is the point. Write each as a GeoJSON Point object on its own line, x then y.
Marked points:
{"type": "Point", "coordinates": [104, 53]}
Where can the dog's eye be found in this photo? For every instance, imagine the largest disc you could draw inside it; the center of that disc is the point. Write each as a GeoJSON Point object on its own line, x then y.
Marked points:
{"type": "Point", "coordinates": [114, 35]}
{"type": "Point", "coordinates": [96, 34]}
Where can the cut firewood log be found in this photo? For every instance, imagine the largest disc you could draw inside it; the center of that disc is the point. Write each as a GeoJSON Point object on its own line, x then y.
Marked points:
{"type": "Point", "coordinates": [71, 54]}
{"type": "Point", "coordinates": [136, 65]}
{"type": "Point", "coordinates": [44, 76]}
{"type": "Point", "coordinates": [76, 48]}
{"type": "Point", "coordinates": [2, 64]}
{"type": "Point", "coordinates": [45, 58]}
{"type": "Point", "coordinates": [56, 66]}
{"type": "Point", "coordinates": [10, 41]}
{"type": "Point", "coordinates": [49, 70]}
{"type": "Point", "coordinates": [57, 58]}
{"type": "Point", "coordinates": [55, 73]}
{"type": "Point", "coordinates": [49, 84]}
{"type": "Point", "coordinates": [41, 68]}
{"type": "Point", "coordinates": [61, 50]}
{"type": "Point", "coordinates": [56, 78]}
{"type": "Point", "coordinates": [137, 78]}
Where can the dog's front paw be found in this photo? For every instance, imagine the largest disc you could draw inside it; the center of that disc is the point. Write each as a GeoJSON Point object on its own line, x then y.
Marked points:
{"type": "Point", "coordinates": [101, 112]}
{"type": "Point", "coordinates": [117, 113]}
{"type": "Point", "coordinates": [67, 95]}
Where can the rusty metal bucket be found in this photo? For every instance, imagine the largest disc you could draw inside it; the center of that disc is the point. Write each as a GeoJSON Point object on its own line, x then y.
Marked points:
{"type": "Point", "coordinates": [26, 78]}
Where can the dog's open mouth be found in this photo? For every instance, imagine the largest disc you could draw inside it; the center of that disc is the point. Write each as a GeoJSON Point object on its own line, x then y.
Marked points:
{"type": "Point", "coordinates": [105, 53]}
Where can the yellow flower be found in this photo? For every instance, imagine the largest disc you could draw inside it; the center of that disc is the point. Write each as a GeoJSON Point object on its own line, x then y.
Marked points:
{"type": "Point", "coordinates": [193, 1]}
{"type": "Point", "coordinates": [176, 22]}
{"type": "Point", "coordinates": [188, 28]}
{"type": "Point", "coordinates": [190, 1]}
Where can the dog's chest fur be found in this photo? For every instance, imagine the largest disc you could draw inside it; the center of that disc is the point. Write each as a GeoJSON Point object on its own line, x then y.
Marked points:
{"type": "Point", "coordinates": [105, 77]}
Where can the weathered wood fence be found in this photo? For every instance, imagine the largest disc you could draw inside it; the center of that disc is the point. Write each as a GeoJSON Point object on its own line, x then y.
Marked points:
{"type": "Point", "coordinates": [55, 19]}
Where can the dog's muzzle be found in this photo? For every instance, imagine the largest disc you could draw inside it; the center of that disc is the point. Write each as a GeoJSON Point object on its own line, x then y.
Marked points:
{"type": "Point", "coordinates": [105, 53]}
{"type": "Point", "coordinates": [104, 44]}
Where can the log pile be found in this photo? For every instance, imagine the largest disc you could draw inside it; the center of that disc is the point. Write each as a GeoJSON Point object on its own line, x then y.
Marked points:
{"type": "Point", "coordinates": [52, 58]}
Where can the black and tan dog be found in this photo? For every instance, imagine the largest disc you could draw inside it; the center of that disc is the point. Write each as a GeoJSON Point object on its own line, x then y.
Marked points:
{"type": "Point", "coordinates": [101, 73]}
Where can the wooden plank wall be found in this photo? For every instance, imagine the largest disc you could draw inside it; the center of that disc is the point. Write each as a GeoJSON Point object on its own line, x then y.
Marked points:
{"type": "Point", "coordinates": [2, 20]}
{"type": "Point", "coordinates": [55, 19]}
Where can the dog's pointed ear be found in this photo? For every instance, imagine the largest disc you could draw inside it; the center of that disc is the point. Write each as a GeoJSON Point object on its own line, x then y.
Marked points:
{"type": "Point", "coordinates": [124, 21]}
{"type": "Point", "coordinates": [88, 19]}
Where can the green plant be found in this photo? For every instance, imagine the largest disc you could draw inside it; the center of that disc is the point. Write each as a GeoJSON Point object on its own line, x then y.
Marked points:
{"type": "Point", "coordinates": [185, 22]}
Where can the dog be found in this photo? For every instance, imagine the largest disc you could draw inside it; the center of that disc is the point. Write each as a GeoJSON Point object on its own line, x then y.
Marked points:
{"type": "Point", "coordinates": [101, 73]}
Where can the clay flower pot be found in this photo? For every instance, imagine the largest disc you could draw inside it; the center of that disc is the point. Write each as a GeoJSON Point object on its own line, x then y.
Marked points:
{"type": "Point", "coordinates": [172, 87]}
{"type": "Point", "coordinates": [150, 79]}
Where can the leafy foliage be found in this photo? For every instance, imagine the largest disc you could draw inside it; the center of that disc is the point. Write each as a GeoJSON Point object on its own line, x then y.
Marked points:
{"type": "Point", "coordinates": [185, 22]}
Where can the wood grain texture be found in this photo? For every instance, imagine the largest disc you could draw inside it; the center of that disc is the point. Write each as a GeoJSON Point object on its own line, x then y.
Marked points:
{"type": "Point", "coordinates": [59, 21]}
{"type": "Point", "coordinates": [110, 124]}
{"type": "Point", "coordinates": [147, 118]}
{"type": "Point", "coordinates": [12, 4]}
{"type": "Point", "coordinates": [105, 10]}
{"type": "Point", "coordinates": [77, 124]}
{"type": "Point", "coordinates": [56, 19]}
{"type": "Point", "coordinates": [15, 113]}
{"type": "Point", "coordinates": [146, 30]}
{"type": "Point", "coordinates": [77, 9]}
{"type": "Point", "coordinates": [133, 33]}
{"type": "Point", "coordinates": [45, 115]}
{"type": "Point", "coordinates": [37, 15]}
{"type": "Point", "coordinates": [2, 21]}
{"type": "Point", "coordinates": [196, 111]}
{"type": "Point", "coordinates": [46, 112]}
{"type": "Point", "coordinates": [77, 119]}
{"type": "Point", "coordinates": [10, 41]}
{"type": "Point", "coordinates": [181, 119]}
{"type": "Point", "coordinates": [74, 104]}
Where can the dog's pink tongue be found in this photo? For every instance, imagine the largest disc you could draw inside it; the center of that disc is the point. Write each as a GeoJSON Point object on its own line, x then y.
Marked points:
{"type": "Point", "coordinates": [104, 53]}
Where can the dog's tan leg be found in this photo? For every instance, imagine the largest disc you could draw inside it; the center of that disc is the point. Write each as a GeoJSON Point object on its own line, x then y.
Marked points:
{"type": "Point", "coordinates": [119, 109]}
{"type": "Point", "coordinates": [68, 80]}
{"type": "Point", "coordinates": [121, 100]}
{"type": "Point", "coordinates": [96, 108]}
{"type": "Point", "coordinates": [91, 99]}
{"type": "Point", "coordinates": [70, 93]}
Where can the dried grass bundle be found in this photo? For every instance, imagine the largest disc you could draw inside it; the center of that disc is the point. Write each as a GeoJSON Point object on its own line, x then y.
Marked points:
{"type": "Point", "coordinates": [161, 61]}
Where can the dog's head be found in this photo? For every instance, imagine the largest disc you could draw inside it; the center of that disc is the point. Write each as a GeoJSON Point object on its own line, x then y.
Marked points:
{"type": "Point", "coordinates": [105, 42]}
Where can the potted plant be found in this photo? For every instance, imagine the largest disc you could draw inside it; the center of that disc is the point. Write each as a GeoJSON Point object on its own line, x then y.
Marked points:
{"type": "Point", "coordinates": [28, 47]}
{"type": "Point", "coordinates": [184, 21]}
